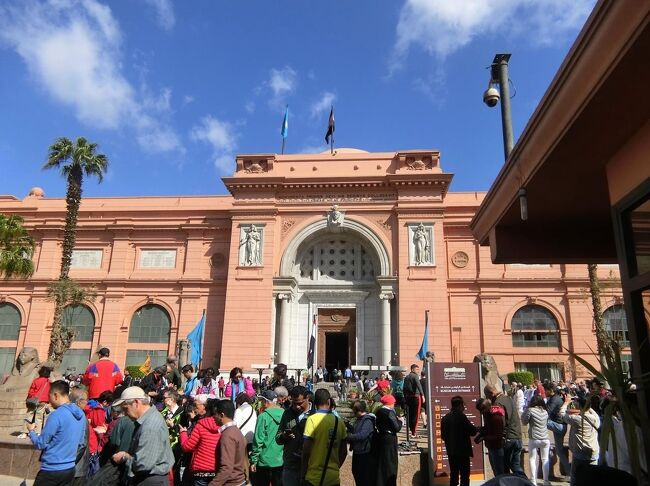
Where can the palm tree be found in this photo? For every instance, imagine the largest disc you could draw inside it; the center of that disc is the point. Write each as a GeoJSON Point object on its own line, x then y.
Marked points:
{"type": "Point", "coordinates": [74, 160]}
{"type": "Point", "coordinates": [16, 248]}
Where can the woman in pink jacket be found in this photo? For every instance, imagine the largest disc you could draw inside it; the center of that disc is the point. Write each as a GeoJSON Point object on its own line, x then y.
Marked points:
{"type": "Point", "coordinates": [238, 384]}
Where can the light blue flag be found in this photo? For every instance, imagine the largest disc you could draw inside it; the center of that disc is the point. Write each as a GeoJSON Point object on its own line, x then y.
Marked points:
{"type": "Point", "coordinates": [196, 341]}
{"type": "Point", "coordinates": [425, 340]}
{"type": "Point", "coordinates": [285, 124]}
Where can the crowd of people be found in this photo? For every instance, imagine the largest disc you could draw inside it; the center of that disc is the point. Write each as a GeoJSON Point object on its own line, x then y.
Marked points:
{"type": "Point", "coordinates": [181, 427]}
{"type": "Point", "coordinates": [547, 409]}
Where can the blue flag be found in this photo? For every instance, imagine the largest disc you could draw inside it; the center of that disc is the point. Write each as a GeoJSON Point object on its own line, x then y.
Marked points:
{"type": "Point", "coordinates": [425, 340]}
{"type": "Point", "coordinates": [196, 341]}
{"type": "Point", "coordinates": [285, 124]}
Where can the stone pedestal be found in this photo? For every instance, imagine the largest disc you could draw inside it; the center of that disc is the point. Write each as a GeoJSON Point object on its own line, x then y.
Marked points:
{"type": "Point", "coordinates": [12, 412]}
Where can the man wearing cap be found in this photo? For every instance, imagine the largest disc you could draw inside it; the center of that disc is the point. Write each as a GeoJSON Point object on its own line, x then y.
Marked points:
{"type": "Point", "coordinates": [266, 454]}
{"type": "Point", "coordinates": [102, 375]}
{"type": "Point", "coordinates": [150, 456]}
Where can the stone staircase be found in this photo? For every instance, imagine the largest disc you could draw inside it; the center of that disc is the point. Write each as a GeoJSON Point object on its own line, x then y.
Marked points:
{"type": "Point", "coordinates": [342, 408]}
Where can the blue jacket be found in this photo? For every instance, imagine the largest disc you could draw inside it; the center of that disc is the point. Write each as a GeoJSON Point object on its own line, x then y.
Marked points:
{"type": "Point", "coordinates": [60, 438]}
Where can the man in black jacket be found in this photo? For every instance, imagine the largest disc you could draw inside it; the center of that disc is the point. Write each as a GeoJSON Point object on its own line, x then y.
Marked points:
{"type": "Point", "coordinates": [456, 430]}
{"type": "Point", "coordinates": [555, 424]}
{"type": "Point", "coordinates": [360, 437]}
{"type": "Point", "coordinates": [414, 396]}
{"type": "Point", "coordinates": [290, 435]}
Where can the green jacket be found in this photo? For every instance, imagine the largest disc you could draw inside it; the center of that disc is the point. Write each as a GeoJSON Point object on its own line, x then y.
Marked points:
{"type": "Point", "coordinates": [266, 451]}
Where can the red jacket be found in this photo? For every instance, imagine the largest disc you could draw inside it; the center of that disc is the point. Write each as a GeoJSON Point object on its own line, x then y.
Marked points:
{"type": "Point", "coordinates": [203, 443]}
{"type": "Point", "coordinates": [96, 416]}
{"type": "Point", "coordinates": [40, 388]}
{"type": "Point", "coordinates": [100, 376]}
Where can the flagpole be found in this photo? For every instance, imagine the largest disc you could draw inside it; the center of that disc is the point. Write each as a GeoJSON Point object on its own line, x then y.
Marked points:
{"type": "Point", "coordinates": [283, 140]}
{"type": "Point", "coordinates": [426, 330]}
{"type": "Point", "coordinates": [332, 144]}
{"type": "Point", "coordinates": [202, 339]}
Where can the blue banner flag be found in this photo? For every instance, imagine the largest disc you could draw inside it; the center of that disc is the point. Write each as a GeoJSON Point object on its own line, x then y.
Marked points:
{"type": "Point", "coordinates": [285, 124]}
{"type": "Point", "coordinates": [425, 340]}
{"type": "Point", "coordinates": [196, 341]}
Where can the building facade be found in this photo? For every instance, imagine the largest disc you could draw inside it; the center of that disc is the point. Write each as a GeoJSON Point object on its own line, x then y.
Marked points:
{"type": "Point", "coordinates": [360, 244]}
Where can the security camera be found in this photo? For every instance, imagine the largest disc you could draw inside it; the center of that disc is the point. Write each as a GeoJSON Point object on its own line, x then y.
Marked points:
{"type": "Point", "coordinates": [491, 97]}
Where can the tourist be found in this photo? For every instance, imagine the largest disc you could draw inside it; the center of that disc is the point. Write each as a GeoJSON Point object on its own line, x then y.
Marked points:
{"type": "Point", "coordinates": [231, 452]}
{"type": "Point", "coordinates": [382, 385]}
{"type": "Point", "coordinates": [388, 425]}
{"type": "Point", "coordinates": [37, 400]}
{"type": "Point", "coordinates": [583, 435]}
{"type": "Point", "coordinates": [238, 384]}
{"type": "Point", "coordinates": [518, 397]}
{"type": "Point", "coordinates": [283, 397]}
{"type": "Point", "coordinates": [456, 431]}
{"type": "Point", "coordinates": [207, 385]}
{"type": "Point", "coordinates": [266, 453]}
{"type": "Point", "coordinates": [360, 437]}
{"type": "Point", "coordinates": [414, 395]}
{"type": "Point", "coordinates": [528, 394]}
{"type": "Point", "coordinates": [324, 450]}
{"type": "Point", "coordinates": [513, 446]}
{"type": "Point", "coordinates": [149, 458]}
{"type": "Point", "coordinates": [102, 375]}
{"type": "Point", "coordinates": [245, 417]}
{"type": "Point", "coordinates": [154, 383]}
{"type": "Point", "coordinates": [536, 417]}
{"type": "Point", "coordinates": [190, 380]}
{"type": "Point", "coordinates": [127, 381]}
{"type": "Point", "coordinates": [319, 374]}
{"type": "Point", "coordinates": [173, 376]}
{"type": "Point", "coordinates": [61, 438]}
{"type": "Point", "coordinates": [120, 434]}
{"type": "Point", "coordinates": [202, 445]}
{"type": "Point", "coordinates": [79, 397]}
{"type": "Point", "coordinates": [222, 386]}
{"type": "Point", "coordinates": [539, 389]}
{"type": "Point", "coordinates": [359, 385]}
{"type": "Point", "coordinates": [96, 414]}
{"type": "Point", "coordinates": [557, 426]}
{"type": "Point", "coordinates": [290, 435]}
{"type": "Point", "coordinates": [280, 377]}
{"type": "Point", "coordinates": [492, 432]}
{"type": "Point", "coordinates": [397, 389]}
{"type": "Point", "coordinates": [347, 375]}
{"type": "Point", "coordinates": [200, 407]}
{"type": "Point", "coordinates": [172, 413]}
{"type": "Point", "coordinates": [423, 410]}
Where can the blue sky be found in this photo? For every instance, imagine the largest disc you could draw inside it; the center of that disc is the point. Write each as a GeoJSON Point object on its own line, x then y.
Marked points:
{"type": "Point", "coordinates": [171, 91]}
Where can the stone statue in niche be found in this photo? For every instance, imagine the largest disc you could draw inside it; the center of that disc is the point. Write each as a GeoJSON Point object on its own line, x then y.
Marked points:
{"type": "Point", "coordinates": [421, 245]}
{"type": "Point", "coordinates": [489, 371]}
{"type": "Point", "coordinates": [25, 370]}
{"type": "Point", "coordinates": [251, 244]}
{"type": "Point", "coordinates": [335, 217]}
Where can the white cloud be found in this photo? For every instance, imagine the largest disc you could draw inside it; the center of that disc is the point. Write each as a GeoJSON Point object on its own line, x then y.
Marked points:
{"type": "Point", "coordinates": [250, 107]}
{"type": "Point", "coordinates": [282, 83]}
{"type": "Point", "coordinates": [221, 136]}
{"type": "Point", "coordinates": [187, 99]}
{"type": "Point", "coordinates": [164, 13]}
{"type": "Point", "coordinates": [72, 50]}
{"type": "Point", "coordinates": [323, 104]}
{"type": "Point", "coordinates": [442, 27]}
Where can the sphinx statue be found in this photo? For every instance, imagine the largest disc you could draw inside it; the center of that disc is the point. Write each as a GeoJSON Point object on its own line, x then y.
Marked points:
{"type": "Point", "coordinates": [23, 373]}
{"type": "Point", "coordinates": [489, 371]}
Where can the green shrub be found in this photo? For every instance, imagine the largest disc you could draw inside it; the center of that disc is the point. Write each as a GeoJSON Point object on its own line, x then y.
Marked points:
{"type": "Point", "coordinates": [135, 371]}
{"type": "Point", "coordinates": [524, 377]}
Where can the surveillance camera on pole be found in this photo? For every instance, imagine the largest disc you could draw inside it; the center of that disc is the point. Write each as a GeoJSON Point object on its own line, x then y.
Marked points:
{"type": "Point", "coordinates": [499, 75]}
{"type": "Point", "coordinates": [491, 96]}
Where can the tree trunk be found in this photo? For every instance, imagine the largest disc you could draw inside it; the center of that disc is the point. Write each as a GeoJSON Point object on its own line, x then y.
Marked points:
{"type": "Point", "coordinates": [605, 349]}
{"type": "Point", "coordinates": [61, 337]}
{"type": "Point", "coordinates": [72, 203]}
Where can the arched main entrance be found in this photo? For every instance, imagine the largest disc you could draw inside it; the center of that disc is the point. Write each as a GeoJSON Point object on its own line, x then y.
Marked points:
{"type": "Point", "coordinates": [336, 278]}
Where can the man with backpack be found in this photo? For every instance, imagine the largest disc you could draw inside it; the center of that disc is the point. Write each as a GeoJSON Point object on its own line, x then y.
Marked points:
{"type": "Point", "coordinates": [456, 430]}
{"type": "Point", "coordinates": [513, 446]}
{"type": "Point", "coordinates": [492, 432]}
{"type": "Point", "coordinates": [362, 436]}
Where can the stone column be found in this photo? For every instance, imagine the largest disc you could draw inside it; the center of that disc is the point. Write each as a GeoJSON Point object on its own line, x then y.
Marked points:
{"type": "Point", "coordinates": [283, 351]}
{"type": "Point", "coordinates": [386, 350]}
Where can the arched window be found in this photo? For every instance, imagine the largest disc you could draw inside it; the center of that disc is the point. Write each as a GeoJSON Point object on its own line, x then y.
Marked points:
{"type": "Point", "coordinates": [533, 326]}
{"type": "Point", "coordinates": [615, 323]}
{"type": "Point", "coordinates": [150, 324]}
{"type": "Point", "coordinates": [81, 319]}
{"type": "Point", "coordinates": [9, 321]}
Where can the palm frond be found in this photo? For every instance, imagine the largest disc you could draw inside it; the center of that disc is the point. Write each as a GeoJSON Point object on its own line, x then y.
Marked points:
{"type": "Point", "coordinates": [59, 152]}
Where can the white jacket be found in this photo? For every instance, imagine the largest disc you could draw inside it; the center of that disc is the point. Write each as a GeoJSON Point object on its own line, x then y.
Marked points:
{"type": "Point", "coordinates": [583, 436]}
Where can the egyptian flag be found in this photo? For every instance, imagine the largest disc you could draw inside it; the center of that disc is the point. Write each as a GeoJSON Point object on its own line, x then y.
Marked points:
{"type": "Point", "coordinates": [330, 126]}
{"type": "Point", "coordinates": [312, 345]}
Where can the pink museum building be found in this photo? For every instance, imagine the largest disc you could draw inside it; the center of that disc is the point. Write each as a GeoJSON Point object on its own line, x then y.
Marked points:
{"type": "Point", "coordinates": [363, 243]}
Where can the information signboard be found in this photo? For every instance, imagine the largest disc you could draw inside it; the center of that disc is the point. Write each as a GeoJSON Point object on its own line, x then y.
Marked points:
{"type": "Point", "coordinates": [446, 380]}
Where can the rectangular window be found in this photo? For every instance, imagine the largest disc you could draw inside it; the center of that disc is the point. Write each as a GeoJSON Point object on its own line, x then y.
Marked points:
{"type": "Point", "coordinates": [158, 259]}
{"type": "Point", "coordinates": [535, 339]}
{"type": "Point", "coordinates": [136, 357]}
{"type": "Point", "coordinates": [543, 371]}
{"type": "Point", "coordinates": [7, 358]}
{"type": "Point", "coordinates": [75, 361]}
{"type": "Point", "coordinates": [86, 259]}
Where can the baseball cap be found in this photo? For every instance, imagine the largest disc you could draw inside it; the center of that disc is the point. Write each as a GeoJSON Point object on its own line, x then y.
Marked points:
{"type": "Point", "coordinates": [131, 393]}
{"type": "Point", "coordinates": [269, 396]}
{"type": "Point", "coordinates": [104, 352]}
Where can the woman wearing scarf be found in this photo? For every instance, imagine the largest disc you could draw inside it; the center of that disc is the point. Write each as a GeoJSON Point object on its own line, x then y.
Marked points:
{"type": "Point", "coordinates": [388, 425]}
{"type": "Point", "coordinates": [238, 384]}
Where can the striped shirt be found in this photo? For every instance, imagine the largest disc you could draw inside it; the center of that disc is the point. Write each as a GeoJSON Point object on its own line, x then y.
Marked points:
{"type": "Point", "coordinates": [151, 454]}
